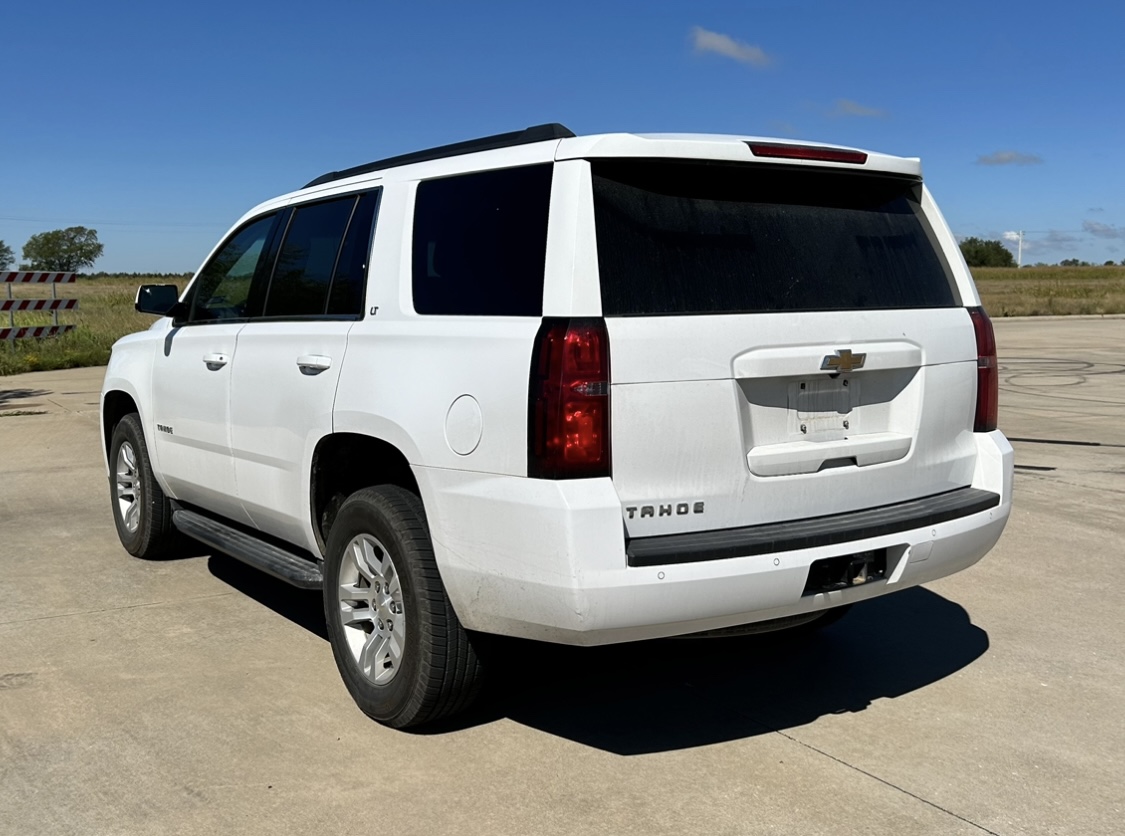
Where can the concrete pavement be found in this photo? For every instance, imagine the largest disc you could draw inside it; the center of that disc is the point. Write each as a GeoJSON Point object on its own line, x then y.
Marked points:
{"type": "Point", "coordinates": [196, 696]}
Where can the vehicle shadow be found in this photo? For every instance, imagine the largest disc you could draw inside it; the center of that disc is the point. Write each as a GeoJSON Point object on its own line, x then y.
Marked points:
{"type": "Point", "coordinates": [303, 607]}
{"type": "Point", "coordinates": [660, 696]}
{"type": "Point", "coordinates": [682, 693]}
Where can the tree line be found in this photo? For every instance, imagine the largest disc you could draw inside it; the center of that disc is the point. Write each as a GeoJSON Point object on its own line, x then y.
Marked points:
{"type": "Point", "coordinates": [991, 253]}
{"type": "Point", "coordinates": [58, 251]}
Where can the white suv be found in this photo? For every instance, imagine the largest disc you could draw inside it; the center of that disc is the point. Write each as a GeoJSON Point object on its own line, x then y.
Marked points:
{"type": "Point", "coordinates": [579, 389]}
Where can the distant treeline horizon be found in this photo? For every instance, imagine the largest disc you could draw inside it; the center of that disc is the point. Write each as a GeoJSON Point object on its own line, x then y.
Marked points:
{"type": "Point", "coordinates": [104, 274]}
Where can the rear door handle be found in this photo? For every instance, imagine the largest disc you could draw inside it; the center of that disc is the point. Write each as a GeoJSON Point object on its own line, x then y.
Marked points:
{"type": "Point", "coordinates": [313, 363]}
{"type": "Point", "coordinates": [215, 361]}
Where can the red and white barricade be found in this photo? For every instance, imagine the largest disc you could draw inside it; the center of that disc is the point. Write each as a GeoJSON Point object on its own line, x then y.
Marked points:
{"type": "Point", "coordinates": [54, 304]}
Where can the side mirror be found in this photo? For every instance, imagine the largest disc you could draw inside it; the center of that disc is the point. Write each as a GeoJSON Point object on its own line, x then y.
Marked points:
{"type": "Point", "coordinates": [159, 299]}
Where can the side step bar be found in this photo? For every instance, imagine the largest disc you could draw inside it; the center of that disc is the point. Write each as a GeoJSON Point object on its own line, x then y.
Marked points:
{"type": "Point", "coordinates": [283, 565]}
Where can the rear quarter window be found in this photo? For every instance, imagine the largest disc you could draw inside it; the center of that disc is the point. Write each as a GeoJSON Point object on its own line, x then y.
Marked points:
{"type": "Point", "coordinates": [480, 243]}
{"type": "Point", "coordinates": [699, 238]}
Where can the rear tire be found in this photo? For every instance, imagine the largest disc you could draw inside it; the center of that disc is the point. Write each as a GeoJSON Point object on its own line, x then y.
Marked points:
{"type": "Point", "coordinates": [141, 511]}
{"type": "Point", "coordinates": [400, 649]}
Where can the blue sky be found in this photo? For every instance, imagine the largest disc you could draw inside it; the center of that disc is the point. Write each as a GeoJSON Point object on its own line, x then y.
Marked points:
{"type": "Point", "coordinates": [159, 124]}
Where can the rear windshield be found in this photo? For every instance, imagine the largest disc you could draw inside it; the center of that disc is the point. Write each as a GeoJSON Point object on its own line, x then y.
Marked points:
{"type": "Point", "coordinates": [700, 238]}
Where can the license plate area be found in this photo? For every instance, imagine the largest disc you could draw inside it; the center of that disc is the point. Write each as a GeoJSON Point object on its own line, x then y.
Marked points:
{"type": "Point", "coordinates": [848, 570]}
{"type": "Point", "coordinates": [823, 406]}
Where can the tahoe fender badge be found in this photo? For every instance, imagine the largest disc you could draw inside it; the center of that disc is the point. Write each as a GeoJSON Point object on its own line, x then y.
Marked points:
{"type": "Point", "coordinates": [843, 361]}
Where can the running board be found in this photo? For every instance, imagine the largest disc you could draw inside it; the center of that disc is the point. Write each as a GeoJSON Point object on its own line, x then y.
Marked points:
{"type": "Point", "coordinates": [282, 564]}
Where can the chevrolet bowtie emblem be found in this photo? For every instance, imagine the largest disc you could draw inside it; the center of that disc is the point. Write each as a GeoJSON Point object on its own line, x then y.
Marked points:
{"type": "Point", "coordinates": [843, 361]}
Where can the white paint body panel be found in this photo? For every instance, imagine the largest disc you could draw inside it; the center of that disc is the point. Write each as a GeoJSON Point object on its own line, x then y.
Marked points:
{"type": "Point", "coordinates": [278, 414]}
{"type": "Point", "coordinates": [193, 398]}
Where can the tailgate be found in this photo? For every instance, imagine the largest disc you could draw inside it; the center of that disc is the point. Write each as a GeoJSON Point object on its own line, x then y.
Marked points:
{"type": "Point", "coordinates": [721, 422]}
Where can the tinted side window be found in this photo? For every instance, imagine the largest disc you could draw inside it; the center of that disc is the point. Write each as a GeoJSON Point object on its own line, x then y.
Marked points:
{"type": "Point", "coordinates": [691, 238]}
{"type": "Point", "coordinates": [480, 243]}
{"type": "Point", "coordinates": [223, 287]}
{"type": "Point", "coordinates": [346, 294]}
{"type": "Point", "coordinates": [307, 258]}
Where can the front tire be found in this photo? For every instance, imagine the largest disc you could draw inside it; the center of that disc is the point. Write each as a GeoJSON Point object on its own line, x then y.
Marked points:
{"type": "Point", "coordinates": [400, 649]}
{"type": "Point", "coordinates": [141, 511]}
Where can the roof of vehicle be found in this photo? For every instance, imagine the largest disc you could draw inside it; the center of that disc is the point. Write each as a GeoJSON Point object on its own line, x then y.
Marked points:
{"type": "Point", "coordinates": [555, 142]}
{"type": "Point", "coordinates": [571, 146]}
{"type": "Point", "coordinates": [536, 133]}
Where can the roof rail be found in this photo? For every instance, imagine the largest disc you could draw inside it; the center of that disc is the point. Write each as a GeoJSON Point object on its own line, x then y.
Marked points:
{"type": "Point", "coordinates": [536, 133]}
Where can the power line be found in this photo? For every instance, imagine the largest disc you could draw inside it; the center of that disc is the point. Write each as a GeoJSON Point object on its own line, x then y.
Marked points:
{"type": "Point", "coordinates": [115, 223]}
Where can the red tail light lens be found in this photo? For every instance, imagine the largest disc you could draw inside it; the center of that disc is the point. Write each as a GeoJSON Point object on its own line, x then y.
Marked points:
{"type": "Point", "coordinates": [988, 374]}
{"type": "Point", "coordinates": [807, 152]}
{"type": "Point", "coordinates": [568, 400]}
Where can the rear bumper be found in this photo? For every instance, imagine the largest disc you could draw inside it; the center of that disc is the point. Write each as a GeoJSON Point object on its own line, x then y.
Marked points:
{"type": "Point", "coordinates": [809, 533]}
{"type": "Point", "coordinates": [549, 560]}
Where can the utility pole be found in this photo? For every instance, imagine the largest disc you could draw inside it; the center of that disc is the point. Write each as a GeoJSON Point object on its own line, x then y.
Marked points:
{"type": "Point", "coordinates": [1019, 252]}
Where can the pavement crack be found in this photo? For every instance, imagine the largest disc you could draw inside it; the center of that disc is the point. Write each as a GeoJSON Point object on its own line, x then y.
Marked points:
{"type": "Point", "coordinates": [771, 728]}
{"type": "Point", "coordinates": [885, 782]}
{"type": "Point", "coordinates": [114, 609]}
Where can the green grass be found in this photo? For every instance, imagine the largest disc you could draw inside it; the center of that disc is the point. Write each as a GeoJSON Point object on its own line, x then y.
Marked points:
{"type": "Point", "coordinates": [106, 309]}
{"type": "Point", "coordinates": [105, 314]}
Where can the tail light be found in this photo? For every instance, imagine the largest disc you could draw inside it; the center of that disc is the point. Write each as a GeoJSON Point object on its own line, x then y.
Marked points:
{"type": "Point", "coordinates": [988, 375]}
{"type": "Point", "coordinates": [568, 400]}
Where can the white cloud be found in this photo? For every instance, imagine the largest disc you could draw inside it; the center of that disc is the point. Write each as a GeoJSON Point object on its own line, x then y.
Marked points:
{"type": "Point", "coordinates": [1099, 230]}
{"type": "Point", "coordinates": [1056, 240]}
{"type": "Point", "coordinates": [1036, 242]}
{"type": "Point", "coordinates": [846, 107]}
{"type": "Point", "coordinates": [1093, 210]}
{"type": "Point", "coordinates": [1009, 158]}
{"type": "Point", "coordinates": [704, 40]}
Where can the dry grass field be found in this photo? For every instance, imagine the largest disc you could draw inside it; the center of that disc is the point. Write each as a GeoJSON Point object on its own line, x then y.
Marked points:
{"type": "Point", "coordinates": [106, 309]}
{"type": "Point", "coordinates": [105, 313]}
{"type": "Point", "coordinates": [1048, 291]}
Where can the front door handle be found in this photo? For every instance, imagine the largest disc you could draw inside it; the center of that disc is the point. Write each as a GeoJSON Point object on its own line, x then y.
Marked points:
{"type": "Point", "coordinates": [313, 363]}
{"type": "Point", "coordinates": [215, 361]}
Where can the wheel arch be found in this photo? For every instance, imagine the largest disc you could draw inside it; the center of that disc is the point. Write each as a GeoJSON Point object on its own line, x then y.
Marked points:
{"type": "Point", "coordinates": [345, 462]}
{"type": "Point", "coordinates": [116, 404]}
